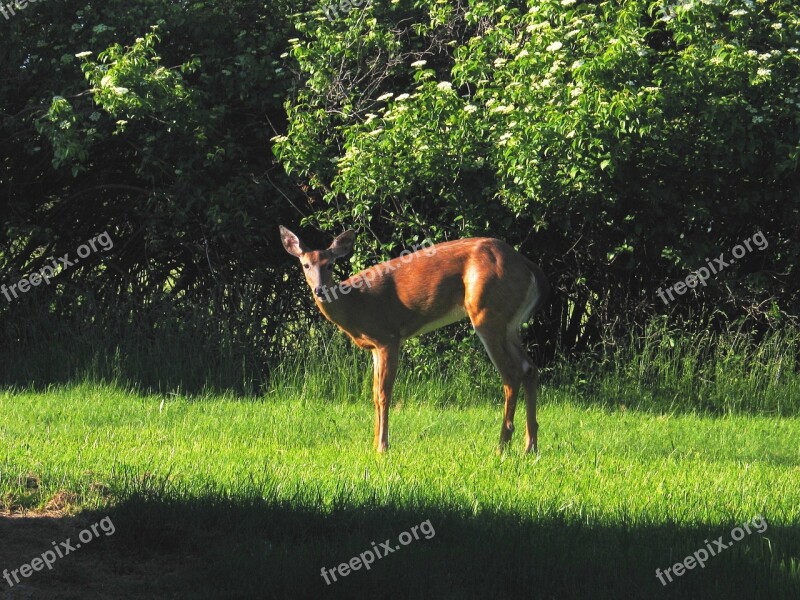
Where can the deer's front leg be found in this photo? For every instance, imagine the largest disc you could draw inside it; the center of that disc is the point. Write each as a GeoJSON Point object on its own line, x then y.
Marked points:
{"type": "Point", "coordinates": [375, 396]}
{"type": "Point", "coordinates": [385, 360]}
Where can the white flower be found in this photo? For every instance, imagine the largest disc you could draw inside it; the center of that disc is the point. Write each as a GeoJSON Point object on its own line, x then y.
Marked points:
{"type": "Point", "coordinates": [445, 86]}
{"type": "Point", "coordinates": [120, 90]}
{"type": "Point", "coordinates": [83, 54]}
{"type": "Point", "coordinates": [576, 92]}
{"type": "Point", "coordinates": [762, 72]}
{"type": "Point", "coordinates": [752, 53]}
{"type": "Point", "coordinates": [383, 97]}
{"type": "Point", "coordinates": [577, 64]}
{"type": "Point", "coordinates": [470, 108]}
{"type": "Point", "coordinates": [777, 26]}
{"type": "Point", "coordinates": [534, 26]}
{"type": "Point", "coordinates": [738, 12]}
{"type": "Point", "coordinates": [572, 33]}
{"type": "Point", "coordinates": [555, 46]}
{"type": "Point", "coordinates": [376, 131]}
{"type": "Point", "coordinates": [402, 97]}
{"type": "Point", "coordinates": [567, 2]}
{"type": "Point", "coordinates": [419, 63]}
{"type": "Point", "coordinates": [503, 109]}
{"type": "Point", "coordinates": [499, 62]}
{"type": "Point", "coordinates": [505, 136]}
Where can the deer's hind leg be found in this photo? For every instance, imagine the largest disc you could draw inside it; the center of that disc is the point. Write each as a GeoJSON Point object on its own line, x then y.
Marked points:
{"type": "Point", "coordinates": [510, 371]}
{"type": "Point", "coordinates": [498, 329]}
{"type": "Point", "coordinates": [530, 381]}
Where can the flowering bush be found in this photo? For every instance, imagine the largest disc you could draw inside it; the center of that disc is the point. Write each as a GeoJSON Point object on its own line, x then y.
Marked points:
{"type": "Point", "coordinates": [621, 142]}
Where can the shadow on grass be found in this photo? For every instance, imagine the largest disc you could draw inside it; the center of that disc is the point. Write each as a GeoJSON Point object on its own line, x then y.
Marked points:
{"type": "Point", "coordinates": [224, 547]}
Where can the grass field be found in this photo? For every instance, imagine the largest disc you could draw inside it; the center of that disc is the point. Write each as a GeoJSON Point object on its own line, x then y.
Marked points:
{"type": "Point", "coordinates": [226, 497]}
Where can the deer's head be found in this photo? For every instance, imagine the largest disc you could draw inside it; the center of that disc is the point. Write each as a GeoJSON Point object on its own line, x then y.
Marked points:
{"type": "Point", "coordinates": [318, 264]}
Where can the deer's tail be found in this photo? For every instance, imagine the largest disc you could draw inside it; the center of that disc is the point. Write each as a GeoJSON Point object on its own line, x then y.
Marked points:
{"type": "Point", "coordinates": [543, 288]}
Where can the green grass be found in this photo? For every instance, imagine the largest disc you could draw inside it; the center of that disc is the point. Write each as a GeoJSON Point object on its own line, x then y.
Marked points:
{"type": "Point", "coordinates": [265, 492]}
{"type": "Point", "coordinates": [648, 449]}
{"type": "Point", "coordinates": [668, 369]}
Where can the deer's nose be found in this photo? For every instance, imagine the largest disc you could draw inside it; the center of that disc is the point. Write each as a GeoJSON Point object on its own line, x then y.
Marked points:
{"type": "Point", "coordinates": [319, 291]}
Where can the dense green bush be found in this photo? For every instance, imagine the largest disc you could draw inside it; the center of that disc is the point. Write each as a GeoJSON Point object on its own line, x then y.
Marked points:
{"type": "Point", "coordinates": [150, 120]}
{"type": "Point", "coordinates": [620, 144]}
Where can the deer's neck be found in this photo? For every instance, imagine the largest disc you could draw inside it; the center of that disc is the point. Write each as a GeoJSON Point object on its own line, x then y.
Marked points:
{"type": "Point", "coordinates": [335, 305]}
{"type": "Point", "coordinates": [345, 310]}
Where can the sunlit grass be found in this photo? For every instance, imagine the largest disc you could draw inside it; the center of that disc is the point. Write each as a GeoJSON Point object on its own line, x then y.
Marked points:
{"type": "Point", "coordinates": [267, 490]}
{"type": "Point", "coordinates": [619, 464]}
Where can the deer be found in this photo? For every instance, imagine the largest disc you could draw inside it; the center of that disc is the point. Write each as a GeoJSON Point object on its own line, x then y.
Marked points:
{"type": "Point", "coordinates": [483, 279]}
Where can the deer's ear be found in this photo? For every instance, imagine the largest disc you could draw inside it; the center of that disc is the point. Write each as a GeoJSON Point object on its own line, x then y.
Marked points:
{"type": "Point", "coordinates": [292, 243]}
{"type": "Point", "coordinates": [343, 245]}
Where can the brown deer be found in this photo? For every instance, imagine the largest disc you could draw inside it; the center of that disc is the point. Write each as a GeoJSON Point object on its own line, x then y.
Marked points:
{"type": "Point", "coordinates": [484, 279]}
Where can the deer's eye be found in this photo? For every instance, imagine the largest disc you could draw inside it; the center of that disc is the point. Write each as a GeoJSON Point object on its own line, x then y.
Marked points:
{"type": "Point", "coordinates": [305, 265]}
